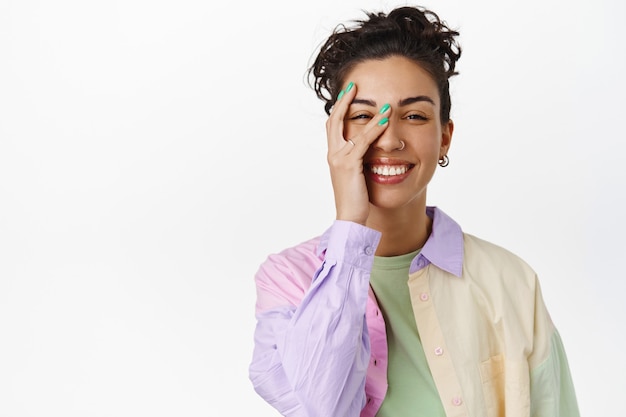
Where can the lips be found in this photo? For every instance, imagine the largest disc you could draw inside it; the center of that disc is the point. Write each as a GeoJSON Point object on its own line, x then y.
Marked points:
{"type": "Point", "coordinates": [388, 171]}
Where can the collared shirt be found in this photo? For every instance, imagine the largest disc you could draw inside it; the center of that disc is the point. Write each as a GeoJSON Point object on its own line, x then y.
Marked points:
{"type": "Point", "coordinates": [411, 388]}
{"type": "Point", "coordinates": [320, 341]}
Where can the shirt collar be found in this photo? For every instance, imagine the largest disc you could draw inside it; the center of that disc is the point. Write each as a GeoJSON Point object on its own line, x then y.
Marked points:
{"type": "Point", "coordinates": [443, 248]}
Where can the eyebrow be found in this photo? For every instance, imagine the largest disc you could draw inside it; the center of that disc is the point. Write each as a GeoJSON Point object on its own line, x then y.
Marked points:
{"type": "Point", "coordinates": [364, 101]}
{"type": "Point", "coordinates": [401, 103]}
{"type": "Point", "coordinates": [412, 100]}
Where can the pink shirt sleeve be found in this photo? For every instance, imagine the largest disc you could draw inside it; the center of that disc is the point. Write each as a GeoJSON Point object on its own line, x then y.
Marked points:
{"type": "Point", "coordinates": [311, 343]}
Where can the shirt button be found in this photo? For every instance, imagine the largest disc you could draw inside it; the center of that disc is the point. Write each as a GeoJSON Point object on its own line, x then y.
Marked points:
{"type": "Point", "coordinates": [375, 362]}
{"type": "Point", "coordinates": [438, 351]}
{"type": "Point", "coordinates": [424, 296]}
{"type": "Point", "coordinates": [377, 313]}
{"type": "Point", "coordinates": [368, 250]}
{"type": "Point", "coordinates": [457, 401]}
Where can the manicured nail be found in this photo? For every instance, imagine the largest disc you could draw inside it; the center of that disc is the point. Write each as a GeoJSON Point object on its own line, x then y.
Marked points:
{"type": "Point", "coordinates": [383, 121]}
{"type": "Point", "coordinates": [384, 108]}
{"type": "Point", "coordinates": [349, 87]}
{"type": "Point", "coordinates": [341, 93]}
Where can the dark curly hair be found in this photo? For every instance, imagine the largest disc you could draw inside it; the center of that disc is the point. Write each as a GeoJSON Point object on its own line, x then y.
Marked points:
{"type": "Point", "coordinates": [412, 32]}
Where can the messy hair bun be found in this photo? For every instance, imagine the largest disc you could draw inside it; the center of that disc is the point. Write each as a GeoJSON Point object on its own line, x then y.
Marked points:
{"type": "Point", "coordinates": [411, 32]}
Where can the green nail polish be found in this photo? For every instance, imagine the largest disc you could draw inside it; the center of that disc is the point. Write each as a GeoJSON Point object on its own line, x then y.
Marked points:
{"type": "Point", "coordinates": [349, 87]}
{"type": "Point", "coordinates": [383, 121]}
{"type": "Point", "coordinates": [384, 108]}
{"type": "Point", "coordinates": [341, 93]}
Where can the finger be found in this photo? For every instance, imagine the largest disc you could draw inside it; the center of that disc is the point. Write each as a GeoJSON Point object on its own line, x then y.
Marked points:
{"type": "Point", "coordinates": [372, 130]}
{"type": "Point", "coordinates": [335, 122]}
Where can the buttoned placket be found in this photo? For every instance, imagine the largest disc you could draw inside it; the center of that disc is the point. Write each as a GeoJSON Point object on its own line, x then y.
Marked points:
{"type": "Point", "coordinates": [437, 355]}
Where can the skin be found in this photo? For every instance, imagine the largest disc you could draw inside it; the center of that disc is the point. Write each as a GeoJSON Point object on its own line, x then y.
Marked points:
{"type": "Point", "coordinates": [393, 205]}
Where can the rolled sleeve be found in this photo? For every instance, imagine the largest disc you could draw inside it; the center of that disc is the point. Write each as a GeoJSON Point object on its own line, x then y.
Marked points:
{"type": "Point", "coordinates": [352, 243]}
{"type": "Point", "coordinates": [311, 359]}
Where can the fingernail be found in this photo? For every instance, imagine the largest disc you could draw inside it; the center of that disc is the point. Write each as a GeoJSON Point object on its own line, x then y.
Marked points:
{"type": "Point", "coordinates": [384, 108]}
{"type": "Point", "coordinates": [383, 121]}
{"type": "Point", "coordinates": [341, 93]}
{"type": "Point", "coordinates": [349, 87]}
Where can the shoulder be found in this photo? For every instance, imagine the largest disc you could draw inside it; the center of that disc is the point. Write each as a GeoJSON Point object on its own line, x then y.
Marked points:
{"type": "Point", "coordinates": [283, 277]}
{"type": "Point", "coordinates": [503, 283]}
{"type": "Point", "coordinates": [296, 259]}
{"type": "Point", "coordinates": [484, 260]}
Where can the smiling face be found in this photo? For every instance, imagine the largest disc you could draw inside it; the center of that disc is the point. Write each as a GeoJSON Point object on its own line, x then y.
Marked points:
{"type": "Point", "coordinates": [397, 177]}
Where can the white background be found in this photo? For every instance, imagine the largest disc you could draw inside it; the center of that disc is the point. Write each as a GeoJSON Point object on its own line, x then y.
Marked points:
{"type": "Point", "coordinates": [153, 153]}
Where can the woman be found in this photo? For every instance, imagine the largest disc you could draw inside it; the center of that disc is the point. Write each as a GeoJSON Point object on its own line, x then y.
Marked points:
{"type": "Point", "coordinates": [394, 311]}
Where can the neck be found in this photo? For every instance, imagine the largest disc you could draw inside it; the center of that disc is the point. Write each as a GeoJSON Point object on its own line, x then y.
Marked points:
{"type": "Point", "coordinates": [404, 229]}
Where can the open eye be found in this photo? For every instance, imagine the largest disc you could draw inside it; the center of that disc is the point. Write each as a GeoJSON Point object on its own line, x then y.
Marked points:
{"type": "Point", "coordinates": [416, 116]}
{"type": "Point", "coordinates": [360, 118]}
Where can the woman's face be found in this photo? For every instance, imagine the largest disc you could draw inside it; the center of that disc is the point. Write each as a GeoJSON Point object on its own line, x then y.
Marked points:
{"type": "Point", "coordinates": [414, 119]}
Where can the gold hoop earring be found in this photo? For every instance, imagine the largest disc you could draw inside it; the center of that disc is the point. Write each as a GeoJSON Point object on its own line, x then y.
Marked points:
{"type": "Point", "coordinates": [444, 161]}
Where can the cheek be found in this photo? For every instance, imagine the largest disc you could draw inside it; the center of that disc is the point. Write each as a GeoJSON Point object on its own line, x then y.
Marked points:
{"type": "Point", "coordinates": [428, 155]}
{"type": "Point", "coordinates": [427, 144]}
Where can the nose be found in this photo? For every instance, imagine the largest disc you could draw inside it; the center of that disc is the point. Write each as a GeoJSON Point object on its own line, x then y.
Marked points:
{"type": "Point", "coordinates": [389, 140]}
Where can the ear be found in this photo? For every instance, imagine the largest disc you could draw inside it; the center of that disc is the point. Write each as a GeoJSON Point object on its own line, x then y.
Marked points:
{"type": "Point", "coordinates": [446, 137]}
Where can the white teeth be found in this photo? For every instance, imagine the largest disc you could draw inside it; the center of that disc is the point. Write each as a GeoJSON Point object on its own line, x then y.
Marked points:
{"type": "Point", "coordinates": [388, 170]}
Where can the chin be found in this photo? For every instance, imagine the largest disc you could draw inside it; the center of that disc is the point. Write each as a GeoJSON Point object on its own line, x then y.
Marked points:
{"type": "Point", "coordinates": [387, 203]}
{"type": "Point", "coordinates": [397, 200]}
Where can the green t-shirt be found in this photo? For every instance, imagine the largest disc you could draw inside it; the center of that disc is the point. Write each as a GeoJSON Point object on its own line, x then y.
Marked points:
{"type": "Point", "coordinates": [411, 389]}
